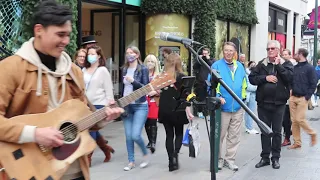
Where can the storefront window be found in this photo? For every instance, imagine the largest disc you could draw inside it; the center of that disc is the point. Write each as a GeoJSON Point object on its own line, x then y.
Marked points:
{"type": "Point", "coordinates": [239, 35]}
{"type": "Point", "coordinates": [221, 37]}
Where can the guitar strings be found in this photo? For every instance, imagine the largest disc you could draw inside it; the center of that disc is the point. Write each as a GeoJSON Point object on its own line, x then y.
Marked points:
{"type": "Point", "coordinates": [88, 121]}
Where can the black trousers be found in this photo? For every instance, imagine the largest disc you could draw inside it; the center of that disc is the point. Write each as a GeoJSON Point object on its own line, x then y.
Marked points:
{"type": "Point", "coordinates": [151, 122]}
{"type": "Point", "coordinates": [272, 115]}
{"type": "Point", "coordinates": [171, 131]}
{"type": "Point", "coordinates": [287, 122]}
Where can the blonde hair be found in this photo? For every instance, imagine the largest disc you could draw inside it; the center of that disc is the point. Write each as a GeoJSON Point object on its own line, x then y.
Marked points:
{"type": "Point", "coordinates": [172, 64]}
{"type": "Point", "coordinates": [135, 50]}
{"type": "Point", "coordinates": [153, 59]}
{"type": "Point", "coordinates": [77, 53]}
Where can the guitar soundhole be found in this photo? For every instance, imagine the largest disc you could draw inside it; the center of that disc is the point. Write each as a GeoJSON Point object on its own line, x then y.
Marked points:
{"type": "Point", "coordinates": [69, 131]}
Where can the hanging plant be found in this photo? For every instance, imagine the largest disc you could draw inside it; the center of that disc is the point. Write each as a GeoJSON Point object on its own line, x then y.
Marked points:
{"type": "Point", "coordinates": [27, 29]}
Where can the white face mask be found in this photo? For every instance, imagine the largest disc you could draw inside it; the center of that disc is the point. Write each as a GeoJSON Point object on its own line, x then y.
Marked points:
{"type": "Point", "coordinates": [150, 65]}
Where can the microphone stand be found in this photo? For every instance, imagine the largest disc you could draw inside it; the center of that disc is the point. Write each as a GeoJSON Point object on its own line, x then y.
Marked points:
{"type": "Point", "coordinates": [213, 103]}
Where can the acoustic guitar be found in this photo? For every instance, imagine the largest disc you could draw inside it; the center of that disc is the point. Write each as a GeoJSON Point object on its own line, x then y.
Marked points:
{"type": "Point", "coordinates": [31, 161]}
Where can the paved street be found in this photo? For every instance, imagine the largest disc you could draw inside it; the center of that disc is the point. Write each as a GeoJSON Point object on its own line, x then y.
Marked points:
{"type": "Point", "coordinates": [298, 164]}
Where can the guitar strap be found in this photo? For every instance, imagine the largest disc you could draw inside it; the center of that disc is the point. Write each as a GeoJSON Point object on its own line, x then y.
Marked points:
{"type": "Point", "coordinates": [91, 106]}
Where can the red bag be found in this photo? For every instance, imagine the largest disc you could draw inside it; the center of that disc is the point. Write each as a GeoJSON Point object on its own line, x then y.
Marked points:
{"type": "Point", "coordinates": [153, 109]}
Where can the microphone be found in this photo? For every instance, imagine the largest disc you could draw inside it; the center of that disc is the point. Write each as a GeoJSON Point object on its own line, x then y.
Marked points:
{"type": "Point", "coordinates": [172, 38]}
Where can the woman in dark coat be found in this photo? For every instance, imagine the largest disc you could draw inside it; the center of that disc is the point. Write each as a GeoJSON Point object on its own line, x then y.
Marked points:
{"type": "Point", "coordinates": [173, 121]}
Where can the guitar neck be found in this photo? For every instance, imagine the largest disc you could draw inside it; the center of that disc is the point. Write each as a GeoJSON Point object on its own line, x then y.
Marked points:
{"type": "Point", "coordinates": [99, 115]}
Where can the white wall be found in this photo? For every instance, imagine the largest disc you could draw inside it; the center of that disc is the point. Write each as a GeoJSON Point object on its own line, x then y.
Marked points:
{"type": "Point", "coordinates": [259, 32]}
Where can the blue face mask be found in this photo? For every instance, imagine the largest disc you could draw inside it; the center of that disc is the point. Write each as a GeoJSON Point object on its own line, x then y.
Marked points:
{"type": "Point", "coordinates": [92, 59]}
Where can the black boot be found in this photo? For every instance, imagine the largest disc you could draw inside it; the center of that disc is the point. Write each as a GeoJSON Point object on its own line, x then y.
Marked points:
{"type": "Point", "coordinates": [148, 129]}
{"type": "Point", "coordinates": [153, 138]}
{"type": "Point", "coordinates": [171, 164]}
{"type": "Point", "coordinates": [175, 161]}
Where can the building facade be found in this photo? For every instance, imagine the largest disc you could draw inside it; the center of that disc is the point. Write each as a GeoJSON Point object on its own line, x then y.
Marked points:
{"type": "Point", "coordinates": [279, 20]}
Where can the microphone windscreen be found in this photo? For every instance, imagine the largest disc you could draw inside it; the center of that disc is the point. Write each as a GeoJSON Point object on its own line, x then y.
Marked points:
{"type": "Point", "coordinates": [164, 36]}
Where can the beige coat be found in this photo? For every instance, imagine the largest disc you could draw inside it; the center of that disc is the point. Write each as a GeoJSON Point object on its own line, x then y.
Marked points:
{"type": "Point", "coordinates": [18, 84]}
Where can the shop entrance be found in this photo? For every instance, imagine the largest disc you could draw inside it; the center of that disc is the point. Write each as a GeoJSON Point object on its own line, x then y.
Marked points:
{"type": "Point", "coordinates": [115, 27]}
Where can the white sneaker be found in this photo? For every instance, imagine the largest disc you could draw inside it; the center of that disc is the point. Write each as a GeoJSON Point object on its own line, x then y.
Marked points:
{"type": "Point", "coordinates": [252, 131]}
{"type": "Point", "coordinates": [144, 164]}
{"type": "Point", "coordinates": [129, 167]}
{"type": "Point", "coordinates": [231, 166]}
{"type": "Point", "coordinates": [220, 164]}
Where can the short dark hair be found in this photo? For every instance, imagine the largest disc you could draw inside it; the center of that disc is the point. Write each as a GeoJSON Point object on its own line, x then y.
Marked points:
{"type": "Point", "coordinates": [167, 50]}
{"type": "Point", "coordinates": [102, 60]}
{"type": "Point", "coordinates": [206, 49]}
{"type": "Point", "coordinates": [304, 52]}
{"type": "Point", "coordinates": [250, 62]}
{"type": "Point", "coordinates": [49, 12]}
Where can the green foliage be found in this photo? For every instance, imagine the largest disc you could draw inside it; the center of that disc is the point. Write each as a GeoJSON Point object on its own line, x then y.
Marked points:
{"type": "Point", "coordinates": [205, 13]}
{"type": "Point", "coordinates": [28, 7]}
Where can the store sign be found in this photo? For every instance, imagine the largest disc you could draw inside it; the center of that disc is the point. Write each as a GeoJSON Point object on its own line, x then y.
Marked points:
{"type": "Point", "coordinates": [281, 22]}
{"type": "Point", "coordinates": [87, 33]}
{"type": "Point", "coordinates": [312, 19]}
{"type": "Point", "coordinates": [133, 2]}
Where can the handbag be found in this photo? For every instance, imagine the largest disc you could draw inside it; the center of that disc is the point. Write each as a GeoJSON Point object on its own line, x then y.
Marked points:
{"type": "Point", "coordinates": [153, 109]}
{"type": "Point", "coordinates": [194, 140]}
{"type": "Point", "coordinates": [185, 140]}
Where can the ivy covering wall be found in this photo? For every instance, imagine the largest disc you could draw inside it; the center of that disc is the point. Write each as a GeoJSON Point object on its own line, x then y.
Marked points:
{"type": "Point", "coordinates": [28, 7]}
{"type": "Point", "coordinates": [205, 13]}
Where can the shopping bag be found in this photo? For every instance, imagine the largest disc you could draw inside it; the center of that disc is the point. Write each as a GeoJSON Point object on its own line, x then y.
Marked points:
{"type": "Point", "coordinates": [194, 140]}
{"type": "Point", "coordinates": [185, 140]}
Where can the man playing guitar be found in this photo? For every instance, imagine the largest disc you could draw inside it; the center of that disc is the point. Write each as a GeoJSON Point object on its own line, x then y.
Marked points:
{"type": "Point", "coordinates": [38, 78]}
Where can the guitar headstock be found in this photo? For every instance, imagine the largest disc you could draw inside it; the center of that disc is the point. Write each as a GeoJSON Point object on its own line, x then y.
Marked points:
{"type": "Point", "coordinates": [162, 80]}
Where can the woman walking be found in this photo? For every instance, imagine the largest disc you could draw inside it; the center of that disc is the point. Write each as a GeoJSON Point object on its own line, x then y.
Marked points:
{"type": "Point", "coordinates": [153, 101]}
{"type": "Point", "coordinates": [99, 91]}
{"type": "Point", "coordinates": [135, 76]}
{"type": "Point", "coordinates": [172, 121]}
{"type": "Point", "coordinates": [250, 101]}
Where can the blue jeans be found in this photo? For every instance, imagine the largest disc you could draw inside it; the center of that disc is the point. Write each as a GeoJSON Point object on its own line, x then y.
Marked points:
{"type": "Point", "coordinates": [133, 124]}
{"type": "Point", "coordinates": [96, 134]}
{"type": "Point", "coordinates": [252, 105]}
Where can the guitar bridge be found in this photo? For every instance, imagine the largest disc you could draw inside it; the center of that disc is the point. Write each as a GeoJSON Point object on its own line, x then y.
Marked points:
{"type": "Point", "coordinates": [43, 149]}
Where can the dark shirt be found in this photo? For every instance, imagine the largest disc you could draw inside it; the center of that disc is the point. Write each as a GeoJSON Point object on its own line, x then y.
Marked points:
{"type": "Point", "coordinates": [304, 80]}
{"type": "Point", "coordinates": [169, 109]}
{"type": "Point", "coordinates": [47, 60]}
{"type": "Point", "coordinates": [273, 93]}
{"type": "Point", "coordinates": [202, 71]}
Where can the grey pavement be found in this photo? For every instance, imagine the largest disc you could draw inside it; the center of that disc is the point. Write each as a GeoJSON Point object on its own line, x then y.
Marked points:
{"type": "Point", "coordinates": [301, 164]}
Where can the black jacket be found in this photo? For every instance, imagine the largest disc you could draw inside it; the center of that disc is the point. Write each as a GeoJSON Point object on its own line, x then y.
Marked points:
{"type": "Point", "coordinates": [167, 104]}
{"type": "Point", "coordinates": [304, 80]}
{"type": "Point", "coordinates": [202, 72]}
{"type": "Point", "coordinates": [275, 93]}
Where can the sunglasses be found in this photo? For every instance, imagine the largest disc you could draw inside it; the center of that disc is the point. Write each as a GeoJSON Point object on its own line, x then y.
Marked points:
{"type": "Point", "coordinates": [268, 49]}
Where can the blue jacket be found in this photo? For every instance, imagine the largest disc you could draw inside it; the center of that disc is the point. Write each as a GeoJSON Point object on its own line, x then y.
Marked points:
{"type": "Point", "coordinates": [318, 72]}
{"type": "Point", "coordinates": [236, 80]}
{"type": "Point", "coordinates": [141, 78]}
{"type": "Point", "coordinates": [304, 80]}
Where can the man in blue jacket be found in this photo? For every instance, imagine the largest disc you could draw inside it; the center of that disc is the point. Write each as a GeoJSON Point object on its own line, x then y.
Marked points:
{"type": "Point", "coordinates": [234, 75]}
{"type": "Point", "coordinates": [303, 86]}
{"type": "Point", "coordinates": [273, 76]}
